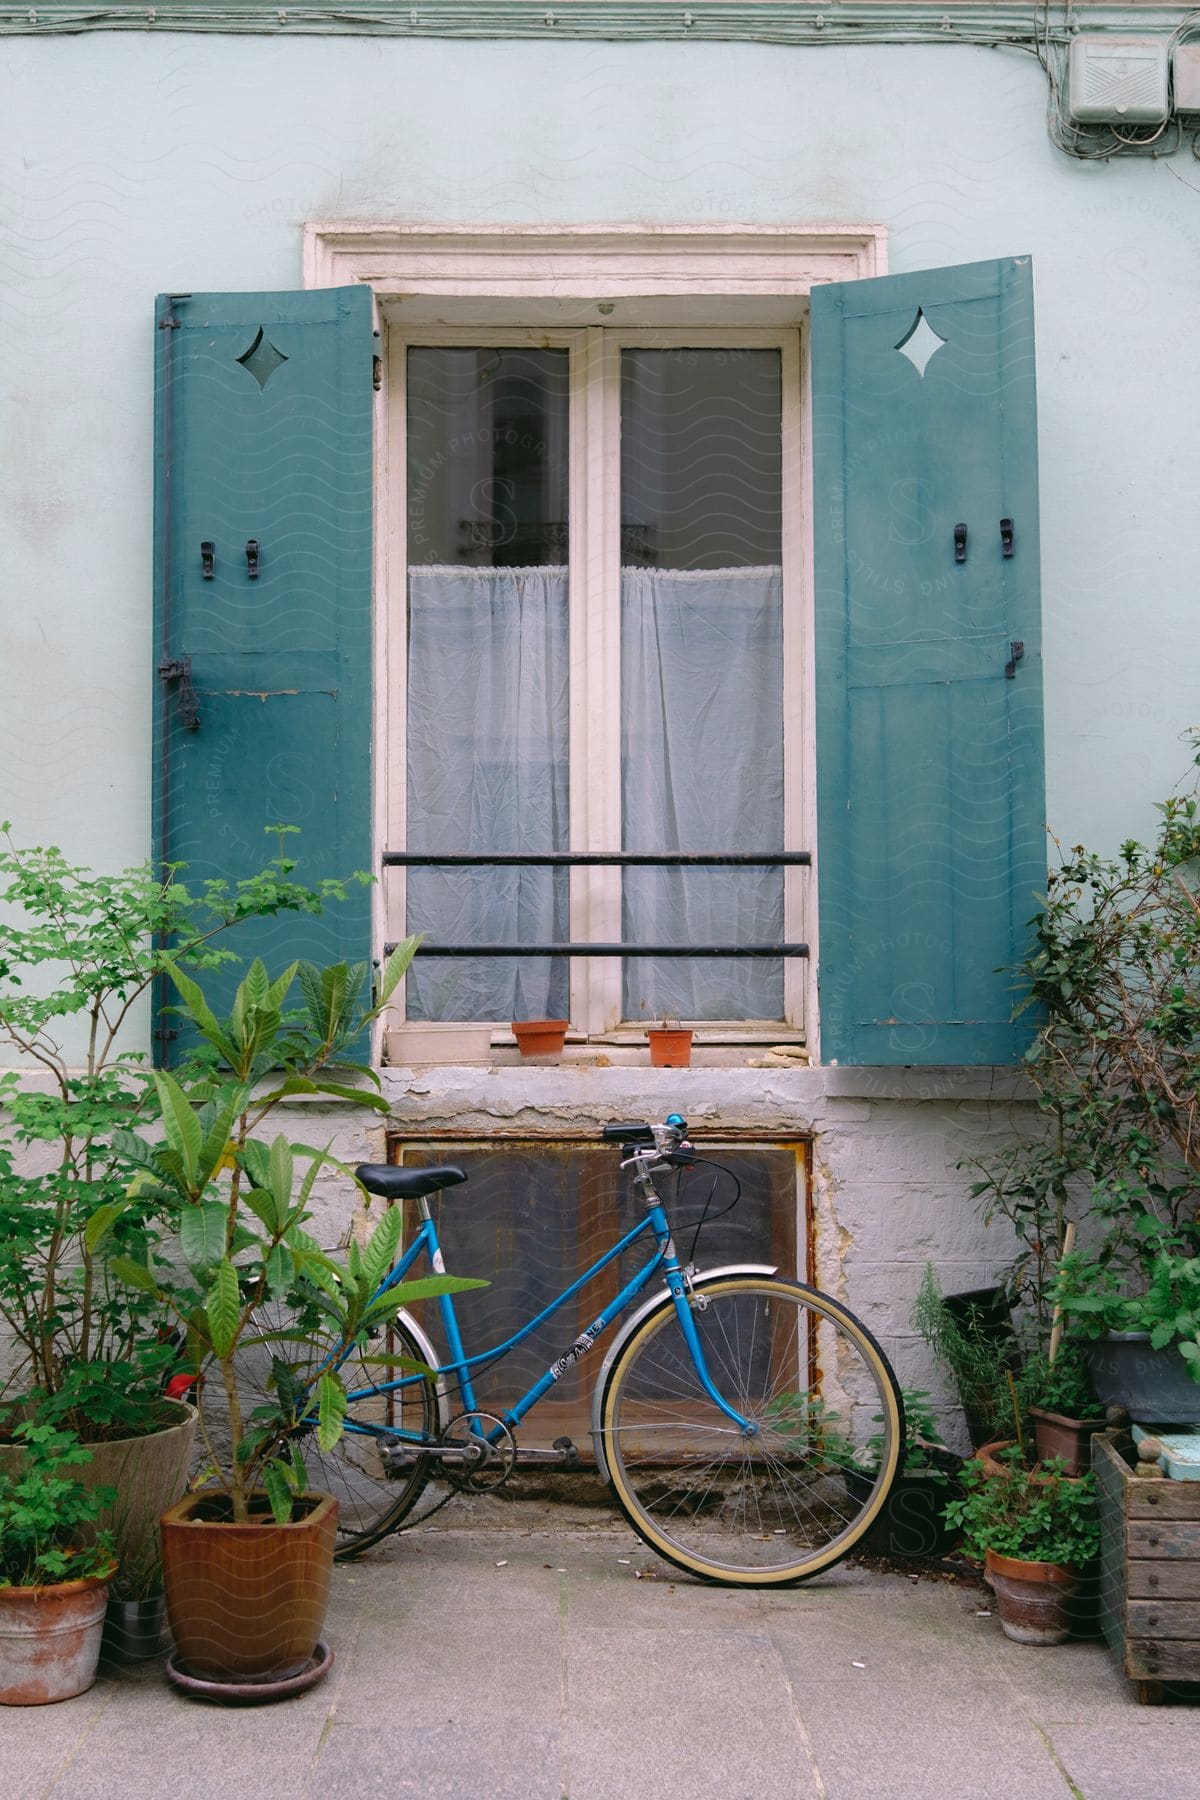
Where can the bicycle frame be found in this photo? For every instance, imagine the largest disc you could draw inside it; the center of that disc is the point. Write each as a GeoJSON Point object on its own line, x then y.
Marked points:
{"type": "Point", "coordinates": [460, 1364]}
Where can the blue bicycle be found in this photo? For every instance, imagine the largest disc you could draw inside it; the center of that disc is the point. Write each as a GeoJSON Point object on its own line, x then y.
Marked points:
{"type": "Point", "coordinates": [750, 1427]}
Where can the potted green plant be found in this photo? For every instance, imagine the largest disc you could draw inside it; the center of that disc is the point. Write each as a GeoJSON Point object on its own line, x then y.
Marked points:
{"type": "Point", "coordinates": [979, 1356]}
{"type": "Point", "coordinates": [78, 953]}
{"type": "Point", "coordinates": [1141, 1348]}
{"type": "Point", "coordinates": [1036, 1533]}
{"type": "Point", "coordinates": [912, 1524]}
{"type": "Point", "coordinates": [247, 1559]}
{"type": "Point", "coordinates": [1055, 1395]}
{"type": "Point", "coordinates": [54, 1571]}
{"type": "Point", "coordinates": [1115, 978]}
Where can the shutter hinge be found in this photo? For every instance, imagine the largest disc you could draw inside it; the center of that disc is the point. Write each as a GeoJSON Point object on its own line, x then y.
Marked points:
{"type": "Point", "coordinates": [179, 668]}
{"type": "Point", "coordinates": [377, 372]}
{"type": "Point", "coordinates": [169, 322]}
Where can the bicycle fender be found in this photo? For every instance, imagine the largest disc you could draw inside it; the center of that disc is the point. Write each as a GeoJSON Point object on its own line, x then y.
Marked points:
{"type": "Point", "coordinates": [429, 1355]}
{"type": "Point", "coordinates": [630, 1326]}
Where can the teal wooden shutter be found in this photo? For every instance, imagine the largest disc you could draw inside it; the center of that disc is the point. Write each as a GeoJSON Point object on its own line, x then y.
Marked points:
{"type": "Point", "coordinates": [264, 412]}
{"type": "Point", "coordinates": [930, 792]}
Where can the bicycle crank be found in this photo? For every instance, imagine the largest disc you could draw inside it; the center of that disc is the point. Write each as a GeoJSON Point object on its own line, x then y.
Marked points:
{"type": "Point", "coordinates": [489, 1452]}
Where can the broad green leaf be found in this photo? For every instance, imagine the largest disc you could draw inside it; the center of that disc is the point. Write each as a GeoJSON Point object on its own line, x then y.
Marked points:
{"type": "Point", "coordinates": [429, 1287]}
{"type": "Point", "coordinates": [223, 1309]}
{"type": "Point", "coordinates": [281, 1270]}
{"type": "Point", "coordinates": [281, 1174]}
{"type": "Point", "coordinates": [382, 1246]}
{"type": "Point", "coordinates": [202, 1232]}
{"type": "Point", "coordinates": [102, 1222]}
{"type": "Point", "coordinates": [217, 1120]}
{"type": "Point", "coordinates": [199, 1012]}
{"type": "Point", "coordinates": [256, 1158]}
{"type": "Point", "coordinates": [337, 1090]}
{"type": "Point", "coordinates": [295, 1084]}
{"type": "Point", "coordinates": [180, 1123]}
{"type": "Point", "coordinates": [255, 984]}
{"type": "Point", "coordinates": [136, 1150]}
{"type": "Point", "coordinates": [309, 977]}
{"type": "Point", "coordinates": [133, 1274]}
{"type": "Point", "coordinates": [394, 969]}
{"type": "Point", "coordinates": [408, 1363]}
{"type": "Point", "coordinates": [277, 991]}
{"type": "Point", "coordinates": [261, 1202]}
{"type": "Point", "coordinates": [275, 1479]}
{"type": "Point", "coordinates": [331, 1411]}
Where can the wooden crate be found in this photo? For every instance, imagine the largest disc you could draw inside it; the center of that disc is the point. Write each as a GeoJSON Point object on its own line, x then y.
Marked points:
{"type": "Point", "coordinates": [1149, 1571]}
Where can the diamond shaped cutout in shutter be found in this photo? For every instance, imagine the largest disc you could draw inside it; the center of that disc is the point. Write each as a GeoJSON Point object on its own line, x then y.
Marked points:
{"type": "Point", "coordinates": [262, 358]}
{"type": "Point", "coordinates": [920, 343]}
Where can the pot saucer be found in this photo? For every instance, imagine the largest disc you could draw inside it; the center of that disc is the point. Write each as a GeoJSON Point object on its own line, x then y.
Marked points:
{"type": "Point", "coordinates": [254, 1689]}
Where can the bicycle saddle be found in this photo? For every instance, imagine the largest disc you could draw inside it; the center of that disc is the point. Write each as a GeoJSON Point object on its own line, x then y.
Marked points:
{"type": "Point", "coordinates": [393, 1183]}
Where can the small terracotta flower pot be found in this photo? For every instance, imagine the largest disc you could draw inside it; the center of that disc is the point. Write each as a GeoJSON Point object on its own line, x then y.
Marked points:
{"type": "Point", "coordinates": [1032, 1598]}
{"type": "Point", "coordinates": [669, 1048]}
{"type": "Point", "coordinates": [540, 1037]}
{"type": "Point", "coordinates": [50, 1640]}
{"type": "Point", "coordinates": [1059, 1435]}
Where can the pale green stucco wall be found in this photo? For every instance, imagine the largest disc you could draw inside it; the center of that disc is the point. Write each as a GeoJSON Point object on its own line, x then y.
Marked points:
{"type": "Point", "coordinates": [133, 164]}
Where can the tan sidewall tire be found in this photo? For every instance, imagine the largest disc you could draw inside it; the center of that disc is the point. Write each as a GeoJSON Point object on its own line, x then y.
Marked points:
{"type": "Point", "coordinates": [643, 1524]}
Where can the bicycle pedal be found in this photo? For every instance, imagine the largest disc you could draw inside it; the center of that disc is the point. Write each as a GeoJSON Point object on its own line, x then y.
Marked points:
{"type": "Point", "coordinates": [568, 1452]}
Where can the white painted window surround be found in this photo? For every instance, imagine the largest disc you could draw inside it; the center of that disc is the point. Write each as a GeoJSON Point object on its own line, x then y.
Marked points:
{"type": "Point", "coordinates": [595, 288]}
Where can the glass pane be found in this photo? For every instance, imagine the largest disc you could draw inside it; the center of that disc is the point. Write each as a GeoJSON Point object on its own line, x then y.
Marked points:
{"type": "Point", "coordinates": [487, 672]}
{"type": "Point", "coordinates": [702, 672]}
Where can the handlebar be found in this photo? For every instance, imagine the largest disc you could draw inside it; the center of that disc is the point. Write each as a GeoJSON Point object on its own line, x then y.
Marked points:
{"type": "Point", "coordinates": [668, 1140]}
{"type": "Point", "coordinates": [674, 1124]}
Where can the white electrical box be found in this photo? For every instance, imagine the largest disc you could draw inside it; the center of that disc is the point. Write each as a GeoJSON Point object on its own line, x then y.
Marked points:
{"type": "Point", "coordinates": [1118, 81]}
{"type": "Point", "coordinates": [1185, 68]}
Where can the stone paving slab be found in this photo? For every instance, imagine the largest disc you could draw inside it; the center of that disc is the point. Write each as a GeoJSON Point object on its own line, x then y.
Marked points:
{"type": "Point", "coordinates": [551, 1661]}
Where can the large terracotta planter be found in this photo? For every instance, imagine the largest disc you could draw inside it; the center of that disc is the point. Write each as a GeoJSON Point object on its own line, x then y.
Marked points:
{"type": "Point", "coordinates": [1032, 1598]}
{"type": "Point", "coordinates": [50, 1640]}
{"type": "Point", "coordinates": [148, 1472]}
{"type": "Point", "coordinates": [246, 1601]}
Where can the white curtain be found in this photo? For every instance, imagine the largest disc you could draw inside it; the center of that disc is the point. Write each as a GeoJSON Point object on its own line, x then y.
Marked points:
{"type": "Point", "coordinates": [487, 770]}
{"type": "Point", "coordinates": [702, 769]}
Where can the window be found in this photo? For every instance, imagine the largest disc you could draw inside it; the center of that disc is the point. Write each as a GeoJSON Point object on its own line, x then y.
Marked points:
{"type": "Point", "coordinates": [599, 638]}
{"type": "Point", "coordinates": [281, 597]}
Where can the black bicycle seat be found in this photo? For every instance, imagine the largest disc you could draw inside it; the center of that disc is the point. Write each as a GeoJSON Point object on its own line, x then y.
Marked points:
{"type": "Point", "coordinates": [391, 1182]}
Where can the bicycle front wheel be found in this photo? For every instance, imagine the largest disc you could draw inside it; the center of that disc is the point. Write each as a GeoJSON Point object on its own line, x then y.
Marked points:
{"type": "Point", "coordinates": [794, 1493]}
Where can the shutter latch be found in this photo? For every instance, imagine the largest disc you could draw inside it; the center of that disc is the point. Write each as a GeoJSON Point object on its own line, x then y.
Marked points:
{"type": "Point", "coordinates": [1018, 650]}
{"type": "Point", "coordinates": [179, 668]}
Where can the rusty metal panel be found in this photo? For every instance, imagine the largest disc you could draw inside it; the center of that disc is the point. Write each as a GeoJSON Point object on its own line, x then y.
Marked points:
{"type": "Point", "coordinates": [534, 1214]}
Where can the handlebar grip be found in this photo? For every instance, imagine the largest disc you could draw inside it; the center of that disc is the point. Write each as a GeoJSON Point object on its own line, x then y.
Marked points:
{"type": "Point", "coordinates": [627, 1134]}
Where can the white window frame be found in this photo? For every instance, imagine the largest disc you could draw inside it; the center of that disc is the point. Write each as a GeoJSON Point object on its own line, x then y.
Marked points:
{"type": "Point", "coordinates": [722, 284]}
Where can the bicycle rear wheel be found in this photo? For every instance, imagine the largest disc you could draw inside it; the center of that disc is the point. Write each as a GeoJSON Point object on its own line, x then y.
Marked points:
{"type": "Point", "coordinates": [790, 1498]}
{"type": "Point", "coordinates": [375, 1494]}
